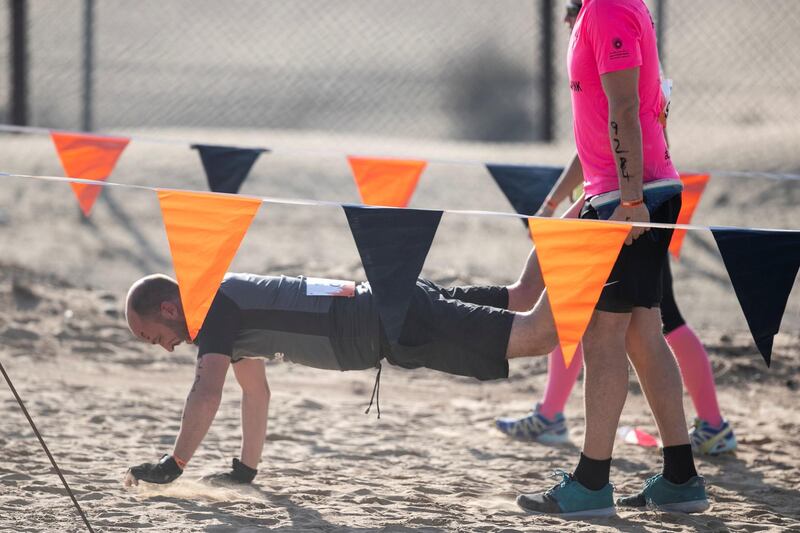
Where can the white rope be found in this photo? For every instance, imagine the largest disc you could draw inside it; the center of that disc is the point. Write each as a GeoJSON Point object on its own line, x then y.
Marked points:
{"type": "Point", "coordinates": [9, 128]}
{"type": "Point", "coordinates": [326, 203]}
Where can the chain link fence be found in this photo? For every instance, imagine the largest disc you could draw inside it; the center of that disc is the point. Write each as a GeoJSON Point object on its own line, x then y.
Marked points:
{"type": "Point", "coordinates": [450, 69]}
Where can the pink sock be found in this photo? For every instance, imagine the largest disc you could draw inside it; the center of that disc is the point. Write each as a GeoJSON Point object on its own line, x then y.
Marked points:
{"type": "Point", "coordinates": [696, 372]}
{"type": "Point", "coordinates": [560, 381]}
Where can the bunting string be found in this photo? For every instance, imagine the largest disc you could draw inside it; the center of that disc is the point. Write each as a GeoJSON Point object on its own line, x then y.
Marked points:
{"type": "Point", "coordinates": [10, 128]}
{"type": "Point", "coordinates": [329, 203]}
{"type": "Point", "coordinates": [386, 186]}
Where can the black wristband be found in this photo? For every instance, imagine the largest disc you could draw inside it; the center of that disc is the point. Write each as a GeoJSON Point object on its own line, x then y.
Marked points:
{"type": "Point", "coordinates": [170, 466]}
{"type": "Point", "coordinates": [242, 473]}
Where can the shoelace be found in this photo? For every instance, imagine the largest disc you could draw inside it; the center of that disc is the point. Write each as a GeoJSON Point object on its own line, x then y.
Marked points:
{"type": "Point", "coordinates": [649, 503]}
{"type": "Point", "coordinates": [376, 393]}
{"type": "Point", "coordinates": [565, 478]}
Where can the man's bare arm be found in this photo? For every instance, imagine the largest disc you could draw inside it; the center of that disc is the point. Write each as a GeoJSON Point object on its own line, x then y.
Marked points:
{"type": "Point", "coordinates": [570, 178]}
{"type": "Point", "coordinates": [201, 404]}
{"type": "Point", "coordinates": [625, 133]}
{"type": "Point", "coordinates": [252, 378]}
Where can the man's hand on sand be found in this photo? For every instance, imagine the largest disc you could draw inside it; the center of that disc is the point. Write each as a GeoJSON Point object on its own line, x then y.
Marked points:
{"type": "Point", "coordinates": [164, 471]}
{"type": "Point", "coordinates": [240, 474]}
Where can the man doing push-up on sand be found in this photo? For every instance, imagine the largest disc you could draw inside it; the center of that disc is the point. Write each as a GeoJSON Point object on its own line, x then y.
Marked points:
{"type": "Point", "coordinates": [466, 331]}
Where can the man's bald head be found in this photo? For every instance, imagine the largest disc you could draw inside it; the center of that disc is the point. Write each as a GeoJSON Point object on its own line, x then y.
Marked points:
{"type": "Point", "coordinates": [153, 311]}
{"type": "Point", "coordinates": [146, 295]}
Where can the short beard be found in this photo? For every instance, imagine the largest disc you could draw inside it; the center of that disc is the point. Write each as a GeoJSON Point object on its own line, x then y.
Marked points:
{"type": "Point", "coordinates": [178, 327]}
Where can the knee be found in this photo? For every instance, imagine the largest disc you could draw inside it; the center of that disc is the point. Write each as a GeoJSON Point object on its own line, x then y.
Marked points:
{"type": "Point", "coordinates": [549, 343]}
{"type": "Point", "coordinates": [604, 343]}
{"type": "Point", "coordinates": [522, 296]}
{"type": "Point", "coordinates": [530, 337]}
{"type": "Point", "coordinates": [641, 339]}
{"type": "Point", "coordinates": [634, 343]}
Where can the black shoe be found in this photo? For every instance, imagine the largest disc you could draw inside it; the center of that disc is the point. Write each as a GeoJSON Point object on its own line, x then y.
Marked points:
{"type": "Point", "coordinates": [240, 474]}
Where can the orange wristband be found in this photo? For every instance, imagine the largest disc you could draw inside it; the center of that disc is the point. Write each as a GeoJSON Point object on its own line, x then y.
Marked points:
{"type": "Point", "coordinates": [551, 204]}
{"type": "Point", "coordinates": [180, 462]}
{"type": "Point", "coordinates": [632, 203]}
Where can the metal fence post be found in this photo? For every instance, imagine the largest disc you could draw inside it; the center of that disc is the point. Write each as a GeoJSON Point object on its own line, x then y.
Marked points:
{"type": "Point", "coordinates": [548, 79]}
{"type": "Point", "coordinates": [88, 64]}
{"type": "Point", "coordinates": [660, 25]}
{"type": "Point", "coordinates": [19, 63]}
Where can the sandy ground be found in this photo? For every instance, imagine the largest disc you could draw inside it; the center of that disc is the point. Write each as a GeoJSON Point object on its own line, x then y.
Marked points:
{"type": "Point", "coordinates": [433, 462]}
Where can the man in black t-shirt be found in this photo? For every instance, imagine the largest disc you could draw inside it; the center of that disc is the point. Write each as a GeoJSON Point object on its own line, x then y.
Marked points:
{"type": "Point", "coordinates": [465, 331]}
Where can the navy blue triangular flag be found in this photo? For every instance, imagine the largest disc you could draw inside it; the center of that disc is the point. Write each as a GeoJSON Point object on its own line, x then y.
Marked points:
{"type": "Point", "coordinates": [526, 187]}
{"type": "Point", "coordinates": [393, 245]}
{"type": "Point", "coordinates": [227, 166]}
{"type": "Point", "coordinates": [762, 266]}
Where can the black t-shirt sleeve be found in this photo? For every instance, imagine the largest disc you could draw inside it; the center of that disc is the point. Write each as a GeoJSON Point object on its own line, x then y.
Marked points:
{"type": "Point", "coordinates": [220, 328]}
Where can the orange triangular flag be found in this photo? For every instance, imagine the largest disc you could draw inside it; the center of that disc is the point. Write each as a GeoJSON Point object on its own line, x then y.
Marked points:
{"type": "Point", "coordinates": [576, 258]}
{"type": "Point", "coordinates": [693, 187]}
{"type": "Point", "coordinates": [386, 182]}
{"type": "Point", "coordinates": [204, 231]}
{"type": "Point", "coordinates": [88, 157]}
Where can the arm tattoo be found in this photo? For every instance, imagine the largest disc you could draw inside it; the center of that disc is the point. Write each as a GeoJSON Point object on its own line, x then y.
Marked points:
{"type": "Point", "coordinates": [194, 386]}
{"type": "Point", "coordinates": [197, 377]}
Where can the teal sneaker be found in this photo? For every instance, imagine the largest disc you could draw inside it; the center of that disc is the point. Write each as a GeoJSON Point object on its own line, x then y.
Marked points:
{"type": "Point", "coordinates": [570, 499]}
{"type": "Point", "coordinates": [709, 440]}
{"type": "Point", "coordinates": [659, 493]}
{"type": "Point", "coordinates": [535, 427]}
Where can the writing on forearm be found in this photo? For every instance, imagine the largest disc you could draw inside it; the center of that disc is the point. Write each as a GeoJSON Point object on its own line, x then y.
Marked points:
{"type": "Point", "coordinates": [617, 143]}
{"type": "Point", "coordinates": [618, 149]}
{"type": "Point", "coordinates": [623, 168]}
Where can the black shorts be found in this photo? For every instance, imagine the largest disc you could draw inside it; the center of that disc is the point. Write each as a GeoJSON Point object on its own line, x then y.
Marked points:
{"type": "Point", "coordinates": [671, 317]}
{"type": "Point", "coordinates": [460, 330]}
{"type": "Point", "coordinates": [636, 279]}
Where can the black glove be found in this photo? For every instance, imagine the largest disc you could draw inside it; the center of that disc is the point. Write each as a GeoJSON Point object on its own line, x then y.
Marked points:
{"type": "Point", "coordinates": [164, 471]}
{"type": "Point", "coordinates": [240, 474]}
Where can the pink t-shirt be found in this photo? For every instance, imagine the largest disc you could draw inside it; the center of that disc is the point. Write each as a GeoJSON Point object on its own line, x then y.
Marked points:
{"type": "Point", "coordinates": [611, 35]}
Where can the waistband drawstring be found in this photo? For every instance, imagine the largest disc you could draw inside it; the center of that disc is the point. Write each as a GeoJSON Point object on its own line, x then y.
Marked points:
{"type": "Point", "coordinates": [376, 393]}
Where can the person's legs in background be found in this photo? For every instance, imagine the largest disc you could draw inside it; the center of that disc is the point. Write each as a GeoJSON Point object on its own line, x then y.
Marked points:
{"type": "Point", "coordinates": [545, 422]}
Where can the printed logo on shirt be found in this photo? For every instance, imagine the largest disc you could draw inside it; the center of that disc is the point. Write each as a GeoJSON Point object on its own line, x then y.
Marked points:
{"type": "Point", "coordinates": [575, 86]}
{"type": "Point", "coordinates": [618, 52]}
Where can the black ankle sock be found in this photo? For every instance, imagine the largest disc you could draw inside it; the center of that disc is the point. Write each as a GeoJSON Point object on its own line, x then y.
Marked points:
{"type": "Point", "coordinates": [678, 464]}
{"type": "Point", "coordinates": [593, 473]}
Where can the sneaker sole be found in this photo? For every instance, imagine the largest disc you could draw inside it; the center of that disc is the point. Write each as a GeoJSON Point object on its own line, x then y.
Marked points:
{"type": "Point", "coordinates": [726, 448]}
{"type": "Point", "coordinates": [605, 512]}
{"type": "Point", "coordinates": [544, 438]}
{"type": "Point", "coordinates": [553, 438]}
{"type": "Point", "coordinates": [695, 506]}
{"type": "Point", "coordinates": [731, 451]}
